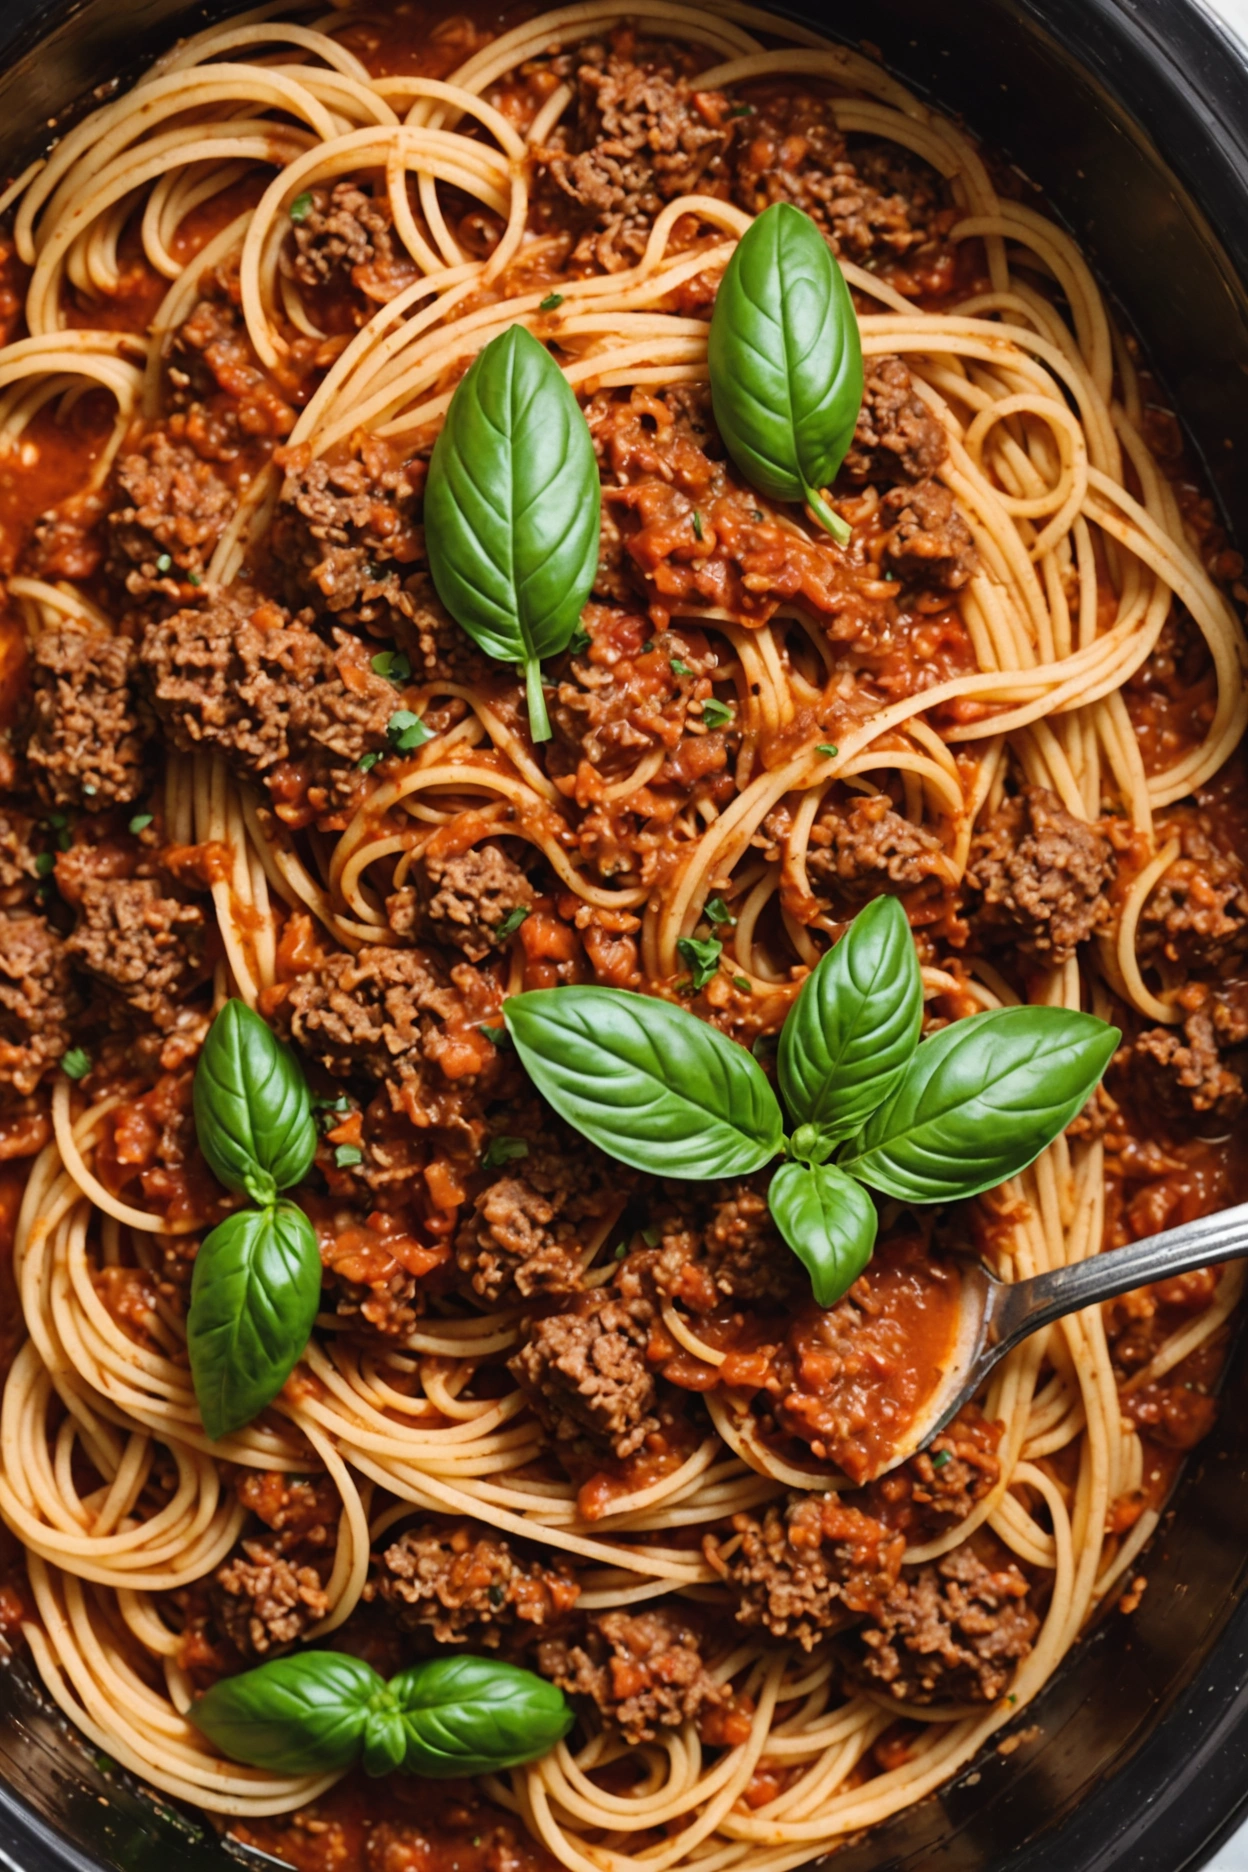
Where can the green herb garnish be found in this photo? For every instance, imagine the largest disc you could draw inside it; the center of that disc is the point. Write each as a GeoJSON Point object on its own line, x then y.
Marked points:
{"type": "Point", "coordinates": [512, 510]}
{"type": "Point", "coordinates": [702, 957]}
{"type": "Point", "coordinates": [716, 714]}
{"type": "Point", "coordinates": [923, 1121]}
{"type": "Point", "coordinates": [406, 731]}
{"type": "Point", "coordinates": [504, 1150]}
{"type": "Point", "coordinates": [786, 362]}
{"type": "Point", "coordinates": [76, 1063]}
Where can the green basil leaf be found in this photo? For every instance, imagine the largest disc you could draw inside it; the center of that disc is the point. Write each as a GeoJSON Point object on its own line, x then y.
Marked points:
{"type": "Point", "coordinates": [385, 1738]}
{"type": "Point", "coordinates": [253, 1112]}
{"type": "Point", "coordinates": [786, 361]}
{"type": "Point", "coordinates": [979, 1101]}
{"type": "Point", "coordinates": [254, 1294]}
{"type": "Point", "coordinates": [512, 509]}
{"type": "Point", "coordinates": [647, 1082]}
{"type": "Point", "coordinates": [472, 1715]}
{"type": "Point", "coordinates": [854, 1027]}
{"type": "Point", "coordinates": [294, 1715]}
{"type": "Point", "coordinates": [828, 1220]}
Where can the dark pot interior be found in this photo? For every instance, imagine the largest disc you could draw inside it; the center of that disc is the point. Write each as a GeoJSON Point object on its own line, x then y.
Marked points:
{"type": "Point", "coordinates": [1133, 116]}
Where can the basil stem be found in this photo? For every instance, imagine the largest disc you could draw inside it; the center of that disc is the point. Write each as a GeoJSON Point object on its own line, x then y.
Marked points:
{"type": "Point", "coordinates": [255, 1290]}
{"type": "Point", "coordinates": [253, 1112]}
{"type": "Point", "coordinates": [786, 361]}
{"type": "Point", "coordinates": [512, 509]}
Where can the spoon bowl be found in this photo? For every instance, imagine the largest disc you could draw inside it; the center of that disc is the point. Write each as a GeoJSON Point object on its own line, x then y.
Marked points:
{"type": "Point", "coordinates": [995, 1315]}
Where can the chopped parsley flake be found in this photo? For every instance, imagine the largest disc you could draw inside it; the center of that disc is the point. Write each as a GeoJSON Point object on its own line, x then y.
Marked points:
{"type": "Point", "coordinates": [301, 207]}
{"type": "Point", "coordinates": [940, 1459]}
{"type": "Point", "coordinates": [347, 1155]}
{"type": "Point", "coordinates": [193, 578]}
{"type": "Point", "coordinates": [827, 749]}
{"type": "Point", "coordinates": [504, 1150]}
{"type": "Point", "coordinates": [742, 982]}
{"type": "Point", "coordinates": [367, 762]}
{"type": "Point", "coordinates": [76, 1064]}
{"type": "Point", "coordinates": [407, 731]}
{"type": "Point", "coordinates": [652, 1236]}
{"type": "Point", "coordinates": [716, 910]}
{"type": "Point", "coordinates": [716, 714]}
{"type": "Point", "coordinates": [498, 1035]}
{"type": "Point", "coordinates": [579, 642]}
{"type": "Point", "coordinates": [742, 110]}
{"type": "Point", "coordinates": [393, 665]}
{"type": "Point", "coordinates": [679, 668]}
{"type": "Point", "coordinates": [45, 863]}
{"type": "Point", "coordinates": [702, 957]}
{"type": "Point", "coordinates": [141, 821]}
{"type": "Point", "coordinates": [550, 302]}
{"type": "Point", "coordinates": [697, 524]}
{"type": "Point", "coordinates": [511, 922]}
{"type": "Point", "coordinates": [164, 563]}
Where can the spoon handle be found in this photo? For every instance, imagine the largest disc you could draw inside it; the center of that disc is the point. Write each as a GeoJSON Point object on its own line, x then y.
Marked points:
{"type": "Point", "coordinates": [1023, 1307]}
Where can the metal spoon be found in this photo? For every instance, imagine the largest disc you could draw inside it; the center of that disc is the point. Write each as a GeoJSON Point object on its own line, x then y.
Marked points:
{"type": "Point", "coordinates": [995, 1315]}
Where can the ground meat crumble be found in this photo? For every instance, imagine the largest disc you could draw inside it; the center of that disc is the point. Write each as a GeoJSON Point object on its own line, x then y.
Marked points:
{"type": "Point", "coordinates": [468, 1585]}
{"type": "Point", "coordinates": [644, 1670]}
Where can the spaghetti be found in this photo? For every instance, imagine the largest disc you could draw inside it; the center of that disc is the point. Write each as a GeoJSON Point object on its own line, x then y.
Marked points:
{"type": "Point", "coordinates": [321, 225]}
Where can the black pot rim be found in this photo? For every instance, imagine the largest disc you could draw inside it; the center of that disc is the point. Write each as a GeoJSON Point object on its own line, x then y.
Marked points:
{"type": "Point", "coordinates": [1182, 1792]}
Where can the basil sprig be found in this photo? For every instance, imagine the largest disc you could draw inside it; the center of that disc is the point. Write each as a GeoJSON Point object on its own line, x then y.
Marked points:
{"type": "Point", "coordinates": [786, 361]}
{"type": "Point", "coordinates": [930, 1121]}
{"type": "Point", "coordinates": [512, 508]}
{"type": "Point", "coordinates": [321, 1710]}
{"type": "Point", "coordinates": [256, 1283]}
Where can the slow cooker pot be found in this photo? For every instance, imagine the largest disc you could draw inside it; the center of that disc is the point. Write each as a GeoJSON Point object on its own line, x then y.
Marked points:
{"type": "Point", "coordinates": [1132, 115]}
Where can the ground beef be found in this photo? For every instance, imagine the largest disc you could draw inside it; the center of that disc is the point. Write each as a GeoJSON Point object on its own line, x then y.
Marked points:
{"type": "Point", "coordinates": [397, 1017]}
{"type": "Point", "coordinates": [526, 1229]}
{"type": "Point", "coordinates": [345, 231]}
{"type": "Point", "coordinates": [644, 1670]}
{"type": "Point", "coordinates": [465, 1584]}
{"type": "Point", "coordinates": [952, 1632]}
{"type": "Point", "coordinates": [36, 1001]}
{"type": "Point", "coordinates": [719, 1245]}
{"type": "Point", "coordinates": [928, 542]}
{"type": "Point", "coordinates": [644, 134]}
{"type": "Point", "coordinates": [585, 1370]}
{"type": "Point", "coordinates": [246, 678]}
{"type": "Point", "coordinates": [1038, 878]}
{"type": "Point", "coordinates": [472, 892]}
{"type": "Point", "coordinates": [876, 203]}
{"type": "Point", "coordinates": [1179, 1074]}
{"type": "Point", "coordinates": [173, 511]}
{"type": "Point", "coordinates": [263, 1601]}
{"type": "Point", "coordinates": [809, 1567]}
{"type": "Point", "coordinates": [345, 529]}
{"type": "Point", "coordinates": [930, 1491]}
{"type": "Point", "coordinates": [897, 437]}
{"type": "Point", "coordinates": [89, 736]}
{"type": "Point", "coordinates": [19, 873]}
{"type": "Point", "coordinates": [150, 948]}
{"type": "Point", "coordinates": [861, 846]}
{"type": "Point", "coordinates": [215, 380]}
{"type": "Point", "coordinates": [1197, 914]}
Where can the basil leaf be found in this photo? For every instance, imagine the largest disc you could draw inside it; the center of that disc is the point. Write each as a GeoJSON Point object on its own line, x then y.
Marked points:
{"type": "Point", "coordinates": [647, 1082]}
{"type": "Point", "coordinates": [829, 1222]}
{"type": "Point", "coordinates": [385, 1739]}
{"type": "Point", "coordinates": [786, 361]}
{"type": "Point", "coordinates": [979, 1101]}
{"type": "Point", "coordinates": [512, 509]}
{"type": "Point", "coordinates": [254, 1294]}
{"type": "Point", "coordinates": [854, 1027]}
{"type": "Point", "coordinates": [294, 1715]}
{"type": "Point", "coordinates": [253, 1113]}
{"type": "Point", "coordinates": [471, 1715]}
